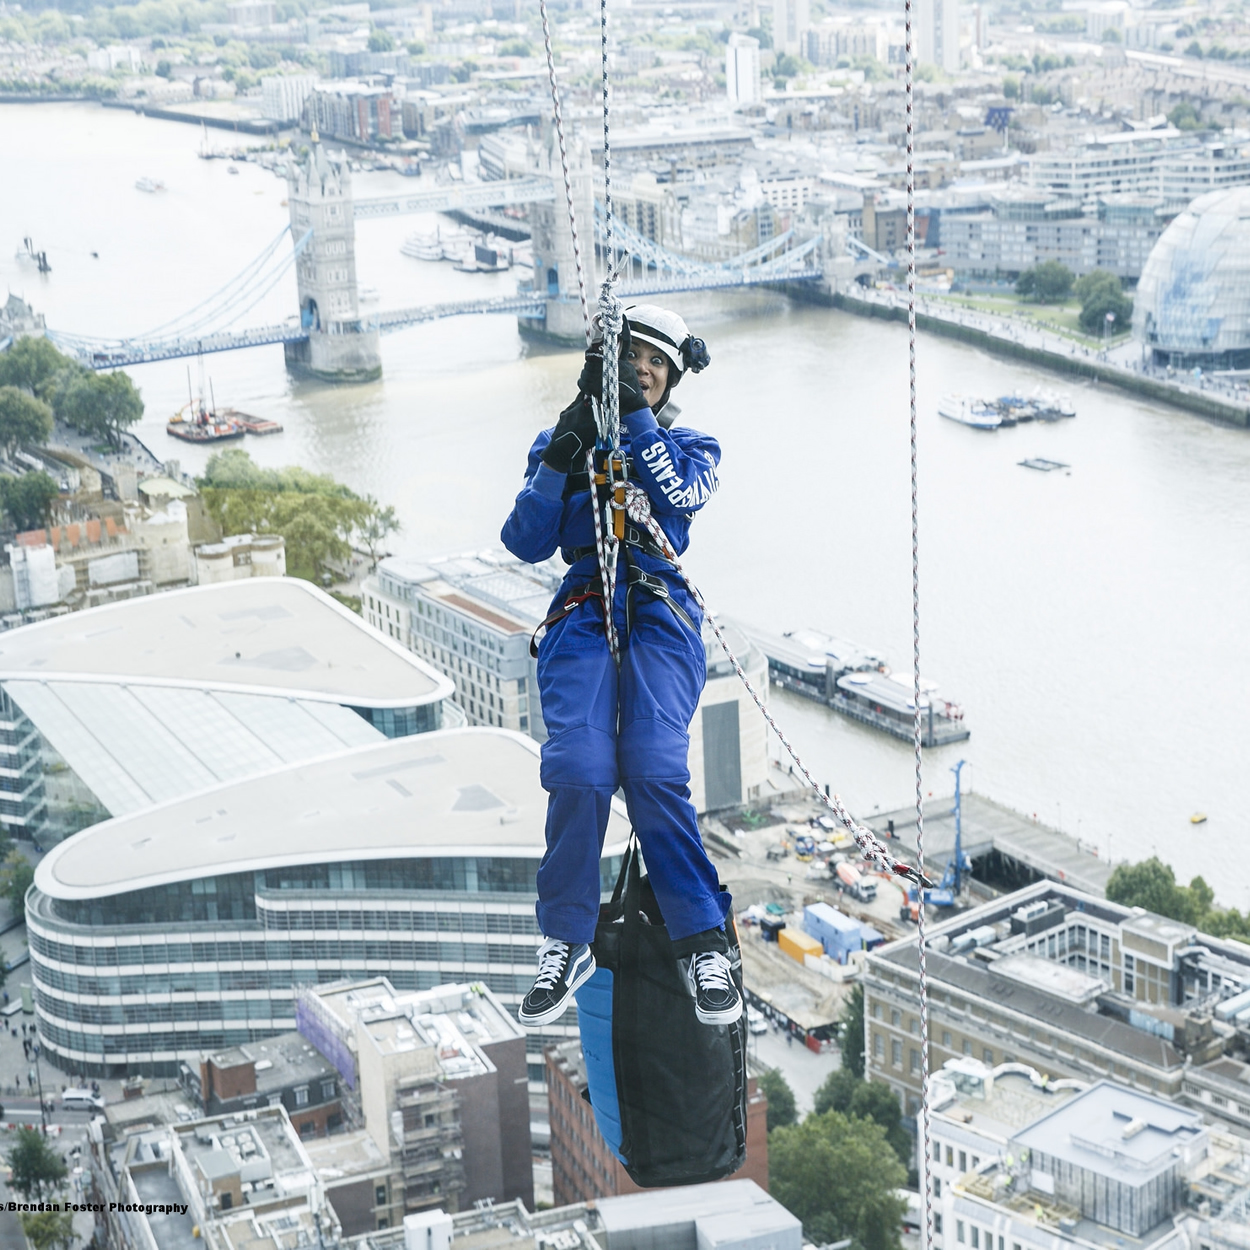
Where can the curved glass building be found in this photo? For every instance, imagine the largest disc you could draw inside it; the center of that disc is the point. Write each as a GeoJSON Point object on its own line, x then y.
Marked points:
{"type": "Point", "coordinates": [190, 925]}
{"type": "Point", "coordinates": [107, 712]}
{"type": "Point", "coordinates": [1192, 307]}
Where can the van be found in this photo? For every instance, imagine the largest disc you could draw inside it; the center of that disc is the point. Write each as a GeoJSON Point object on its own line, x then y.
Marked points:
{"type": "Point", "coordinates": [81, 1100]}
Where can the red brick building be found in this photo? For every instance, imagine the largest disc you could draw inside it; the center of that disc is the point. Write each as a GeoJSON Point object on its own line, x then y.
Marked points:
{"type": "Point", "coordinates": [582, 1166]}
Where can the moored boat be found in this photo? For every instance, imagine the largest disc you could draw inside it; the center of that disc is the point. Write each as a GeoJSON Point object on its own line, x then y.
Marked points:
{"type": "Point", "coordinates": [971, 412]}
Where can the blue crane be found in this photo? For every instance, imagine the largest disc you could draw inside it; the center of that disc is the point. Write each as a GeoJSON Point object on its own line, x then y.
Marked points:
{"type": "Point", "coordinates": [951, 884]}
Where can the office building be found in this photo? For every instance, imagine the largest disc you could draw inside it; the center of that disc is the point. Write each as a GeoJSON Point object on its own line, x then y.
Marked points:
{"type": "Point", "coordinates": [221, 1183]}
{"type": "Point", "coordinates": [1027, 228]}
{"type": "Point", "coordinates": [742, 71]}
{"type": "Point", "coordinates": [1170, 164]}
{"type": "Point", "coordinates": [732, 1215]}
{"type": "Point", "coordinates": [791, 18]}
{"type": "Point", "coordinates": [110, 711]}
{"type": "Point", "coordinates": [937, 34]}
{"type": "Point", "coordinates": [1074, 986]}
{"type": "Point", "coordinates": [472, 618]}
{"type": "Point", "coordinates": [191, 926]}
{"type": "Point", "coordinates": [438, 1078]}
{"type": "Point", "coordinates": [1193, 302]}
{"type": "Point", "coordinates": [283, 96]}
{"type": "Point", "coordinates": [583, 1167]}
{"type": "Point", "coordinates": [1110, 1166]}
{"type": "Point", "coordinates": [354, 111]}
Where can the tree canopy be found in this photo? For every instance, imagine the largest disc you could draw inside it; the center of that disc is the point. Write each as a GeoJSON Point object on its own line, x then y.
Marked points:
{"type": "Point", "coordinates": [839, 1175]}
{"type": "Point", "coordinates": [1152, 884]}
{"type": "Point", "coordinates": [37, 1169]}
{"type": "Point", "coordinates": [851, 1032]}
{"type": "Point", "coordinates": [24, 420]}
{"type": "Point", "coordinates": [49, 1230]}
{"type": "Point", "coordinates": [846, 1093]}
{"type": "Point", "coordinates": [29, 363]}
{"type": "Point", "coordinates": [315, 515]}
{"type": "Point", "coordinates": [1047, 283]}
{"type": "Point", "coordinates": [16, 877]}
{"type": "Point", "coordinates": [781, 1108]}
{"type": "Point", "coordinates": [27, 500]}
{"type": "Point", "coordinates": [1100, 293]}
{"type": "Point", "coordinates": [101, 404]}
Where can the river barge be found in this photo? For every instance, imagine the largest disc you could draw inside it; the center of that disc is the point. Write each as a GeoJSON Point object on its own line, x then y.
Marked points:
{"type": "Point", "coordinates": [858, 683]}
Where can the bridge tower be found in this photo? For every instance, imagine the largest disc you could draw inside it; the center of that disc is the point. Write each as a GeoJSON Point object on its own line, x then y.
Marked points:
{"type": "Point", "coordinates": [555, 272]}
{"type": "Point", "coordinates": [338, 348]}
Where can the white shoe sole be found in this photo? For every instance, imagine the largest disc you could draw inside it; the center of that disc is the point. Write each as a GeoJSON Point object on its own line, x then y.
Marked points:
{"type": "Point", "coordinates": [554, 1013]}
{"type": "Point", "coordinates": [730, 1016]}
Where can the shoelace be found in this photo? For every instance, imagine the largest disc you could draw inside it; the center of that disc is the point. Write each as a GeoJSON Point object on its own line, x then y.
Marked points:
{"type": "Point", "coordinates": [711, 971]}
{"type": "Point", "coordinates": [552, 957]}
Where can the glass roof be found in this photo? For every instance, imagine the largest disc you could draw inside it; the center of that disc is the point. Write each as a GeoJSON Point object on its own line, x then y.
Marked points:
{"type": "Point", "coordinates": [135, 745]}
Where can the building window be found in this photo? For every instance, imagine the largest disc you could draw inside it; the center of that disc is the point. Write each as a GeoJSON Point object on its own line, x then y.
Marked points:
{"type": "Point", "coordinates": [915, 1062]}
{"type": "Point", "coordinates": [301, 1096]}
{"type": "Point", "coordinates": [946, 1038]}
{"type": "Point", "coordinates": [878, 1046]}
{"type": "Point", "coordinates": [937, 1152]}
{"type": "Point", "coordinates": [963, 1162]}
{"type": "Point", "coordinates": [959, 1232]}
{"type": "Point", "coordinates": [976, 1238]}
{"type": "Point", "coordinates": [988, 1055]}
{"type": "Point", "coordinates": [937, 1221]}
{"type": "Point", "coordinates": [327, 1090]}
{"type": "Point", "coordinates": [895, 1018]}
{"type": "Point", "coordinates": [896, 1053]}
{"type": "Point", "coordinates": [950, 1156]}
{"type": "Point", "coordinates": [967, 1047]}
{"type": "Point", "coordinates": [937, 1186]}
{"type": "Point", "coordinates": [874, 1009]}
{"type": "Point", "coordinates": [379, 1196]}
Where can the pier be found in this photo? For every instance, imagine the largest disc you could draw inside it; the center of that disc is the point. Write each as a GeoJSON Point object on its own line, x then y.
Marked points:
{"type": "Point", "coordinates": [988, 828]}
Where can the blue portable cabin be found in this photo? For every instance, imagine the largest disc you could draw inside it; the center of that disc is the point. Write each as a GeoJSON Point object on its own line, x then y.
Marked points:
{"type": "Point", "coordinates": [838, 934]}
{"type": "Point", "coordinates": [871, 937]}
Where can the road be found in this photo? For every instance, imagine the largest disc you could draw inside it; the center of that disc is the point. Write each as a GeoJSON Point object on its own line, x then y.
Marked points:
{"type": "Point", "coordinates": [804, 1070]}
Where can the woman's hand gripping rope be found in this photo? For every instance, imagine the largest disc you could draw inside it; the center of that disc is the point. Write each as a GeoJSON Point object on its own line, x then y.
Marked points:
{"type": "Point", "coordinates": [638, 510]}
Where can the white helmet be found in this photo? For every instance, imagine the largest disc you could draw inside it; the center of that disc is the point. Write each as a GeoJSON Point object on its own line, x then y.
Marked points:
{"type": "Point", "coordinates": [667, 331]}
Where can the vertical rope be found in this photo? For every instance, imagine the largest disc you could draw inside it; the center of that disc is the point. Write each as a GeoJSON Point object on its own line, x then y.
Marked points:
{"type": "Point", "coordinates": [558, 113]}
{"type": "Point", "coordinates": [926, 1192]}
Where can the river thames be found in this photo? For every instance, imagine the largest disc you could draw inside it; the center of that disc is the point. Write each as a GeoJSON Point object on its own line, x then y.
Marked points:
{"type": "Point", "coordinates": [1093, 623]}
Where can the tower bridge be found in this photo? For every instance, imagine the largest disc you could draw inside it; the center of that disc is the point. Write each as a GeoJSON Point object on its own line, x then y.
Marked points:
{"type": "Point", "coordinates": [331, 338]}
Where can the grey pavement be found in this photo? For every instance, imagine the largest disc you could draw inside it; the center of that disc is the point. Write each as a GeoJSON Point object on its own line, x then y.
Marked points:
{"type": "Point", "coordinates": [804, 1070]}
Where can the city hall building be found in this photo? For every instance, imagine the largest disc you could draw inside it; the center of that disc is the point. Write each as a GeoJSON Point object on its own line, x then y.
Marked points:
{"type": "Point", "coordinates": [190, 925]}
{"type": "Point", "coordinates": [108, 712]}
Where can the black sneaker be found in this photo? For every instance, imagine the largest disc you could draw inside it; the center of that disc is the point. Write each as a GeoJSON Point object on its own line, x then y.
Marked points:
{"type": "Point", "coordinates": [716, 997]}
{"type": "Point", "coordinates": [562, 967]}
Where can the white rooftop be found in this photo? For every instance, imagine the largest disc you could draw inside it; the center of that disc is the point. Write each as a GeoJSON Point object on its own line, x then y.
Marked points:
{"type": "Point", "coordinates": [452, 793]}
{"type": "Point", "coordinates": [263, 635]}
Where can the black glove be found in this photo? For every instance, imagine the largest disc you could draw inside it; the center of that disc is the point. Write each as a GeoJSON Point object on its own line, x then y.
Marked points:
{"type": "Point", "coordinates": [630, 389]}
{"type": "Point", "coordinates": [573, 436]}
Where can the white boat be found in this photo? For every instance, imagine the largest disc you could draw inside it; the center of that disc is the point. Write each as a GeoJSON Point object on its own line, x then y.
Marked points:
{"type": "Point", "coordinates": [1052, 407]}
{"type": "Point", "coordinates": [369, 295]}
{"type": "Point", "coordinates": [423, 246]}
{"type": "Point", "coordinates": [149, 184]}
{"type": "Point", "coordinates": [971, 412]}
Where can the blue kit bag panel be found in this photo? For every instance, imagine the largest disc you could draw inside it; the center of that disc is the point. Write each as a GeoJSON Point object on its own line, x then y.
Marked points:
{"type": "Point", "coordinates": [594, 1019]}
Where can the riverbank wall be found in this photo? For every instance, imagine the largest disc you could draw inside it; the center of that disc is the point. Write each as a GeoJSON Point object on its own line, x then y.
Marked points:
{"type": "Point", "coordinates": [1206, 405]}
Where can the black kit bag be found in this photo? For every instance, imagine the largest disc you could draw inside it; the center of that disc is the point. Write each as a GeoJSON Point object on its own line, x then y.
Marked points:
{"type": "Point", "coordinates": [681, 1086]}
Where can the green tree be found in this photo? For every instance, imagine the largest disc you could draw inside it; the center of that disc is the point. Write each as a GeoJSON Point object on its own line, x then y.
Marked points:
{"type": "Point", "coordinates": [1194, 49]}
{"type": "Point", "coordinates": [381, 40]}
{"type": "Point", "coordinates": [379, 525]}
{"type": "Point", "coordinates": [1094, 312]}
{"type": "Point", "coordinates": [1011, 88]}
{"type": "Point", "coordinates": [781, 1109]}
{"type": "Point", "coordinates": [16, 877]}
{"type": "Point", "coordinates": [837, 1092]}
{"type": "Point", "coordinates": [1047, 283]}
{"type": "Point", "coordinates": [49, 1230]}
{"type": "Point", "coordinates": [102, 404]}
{"type": "Point", "coordinates": [29, 363]}
{"type": "Point", "coordinates": [1094, 283]}
{"type": "Point", "coordinates": [851, 1031]}
{"type": "Point", "coordinates": [28, 499]}
{"type": "Point", "coordinates": [37, 1169]}
{"type": "Point", "coordinates": [838, 1174]}
{"type": "Point", "coordinates": [1152, 885]}
{"type": "Point", "coordinates": [23, 419]}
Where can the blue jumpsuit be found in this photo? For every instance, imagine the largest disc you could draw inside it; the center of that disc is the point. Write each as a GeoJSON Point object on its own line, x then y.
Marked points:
{"type": "Point", "coordinates": [629, 728]}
